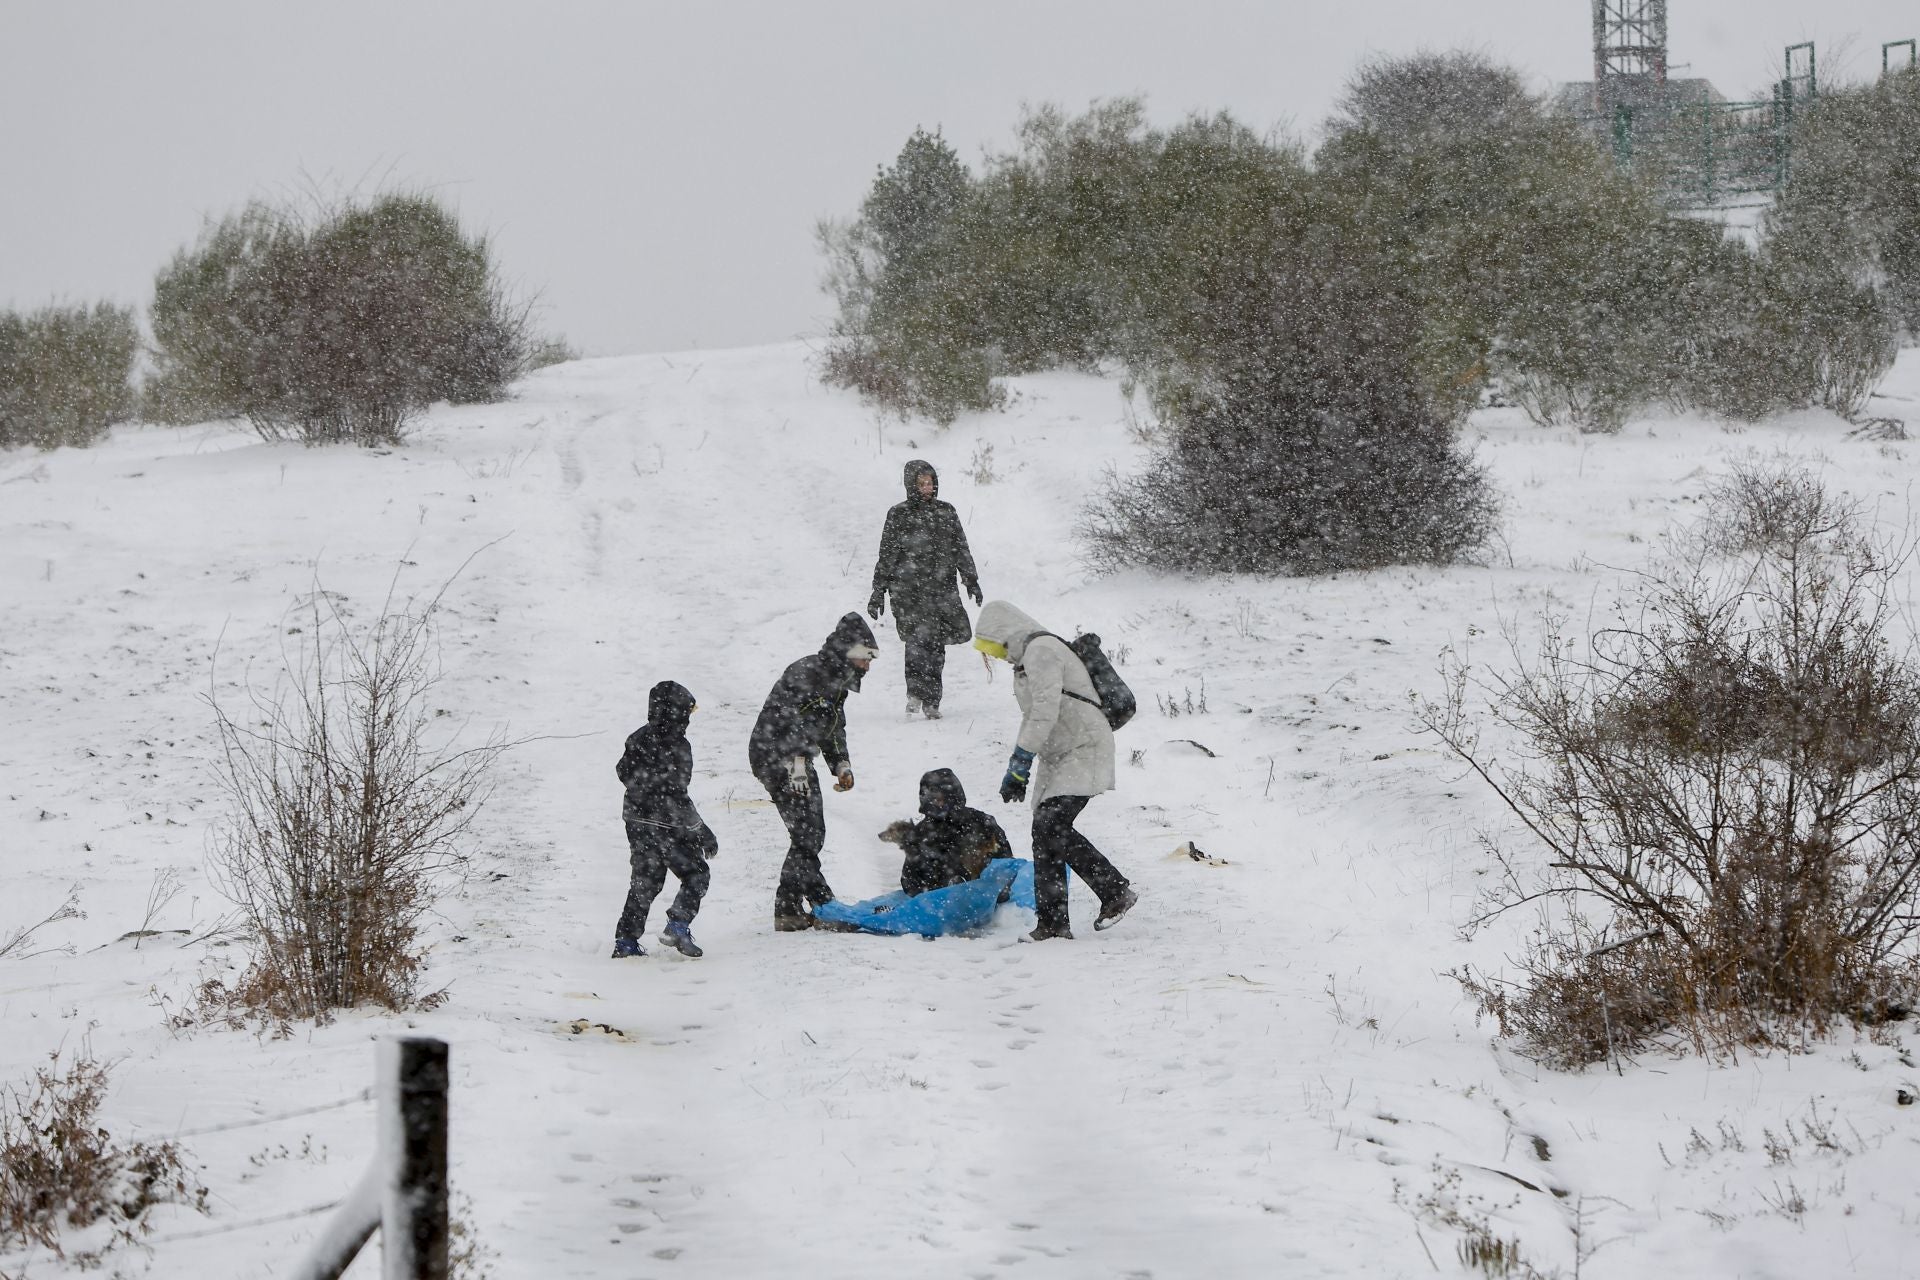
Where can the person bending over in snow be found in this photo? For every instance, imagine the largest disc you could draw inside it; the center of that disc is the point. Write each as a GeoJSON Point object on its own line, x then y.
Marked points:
{"type": "Point", "coordinates": [922, 550]}
{"type": "Point", "coordinates": [952, 843]}
{"type": "Point", "coordinates": [806, 715]}
{"type": "Point", "coordinates": [1063, 732]}
{"type": "Point", "coordinates": [664, 830]}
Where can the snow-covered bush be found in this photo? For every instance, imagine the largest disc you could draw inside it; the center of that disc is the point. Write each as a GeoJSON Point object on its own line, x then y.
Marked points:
{"type": "Point", "coordinates": [1534, 261]}
{"type": "Point", "coordinates": [1728, 778]}
{"type": "Point", "coordinates": [62, 1172]}
{"type": "Point", "coordinates": [341, 326]}
{"type": "Point", "coordinates": [1061, 254]}
{"type": "Point", "coordinates": [1539, 263]}
{"type": "Point", "coordinates": [895, 339]}
{"type": "Point", "coordinates": [346, 809]}
{"type": "Point", "coordinates": [1759, 333]}
{"type": "Point", "coordinates": [65, 374]}
{"type": "Point", "coordinates": [1298, 438]}
{"type": "Point", "coordinates": [1853, 193]}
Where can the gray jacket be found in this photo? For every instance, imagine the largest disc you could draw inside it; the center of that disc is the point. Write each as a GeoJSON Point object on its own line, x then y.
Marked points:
{"type": "Point", "coordinates": [1072, 745]}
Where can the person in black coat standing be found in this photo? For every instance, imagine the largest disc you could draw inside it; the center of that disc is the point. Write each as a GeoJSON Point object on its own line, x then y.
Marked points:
{"type": "Point", "coordinates": [952, 843]}
{"type": "Point", "coordinates": [664, 830]}
{"type": "Point", "coordinates": [923, 550]}
{"type": "Point", "coordinates": [806, 715]}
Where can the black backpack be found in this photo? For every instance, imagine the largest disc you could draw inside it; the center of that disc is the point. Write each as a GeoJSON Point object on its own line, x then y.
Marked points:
{"type": "Point", "coordinates": [1116, 701]}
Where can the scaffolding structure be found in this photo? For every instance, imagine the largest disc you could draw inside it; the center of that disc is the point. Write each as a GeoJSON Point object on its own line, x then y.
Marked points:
{"type": "Point", "coordinates": [1629, 53]}
{"type": "Point", "coordinates": [1704, 151]}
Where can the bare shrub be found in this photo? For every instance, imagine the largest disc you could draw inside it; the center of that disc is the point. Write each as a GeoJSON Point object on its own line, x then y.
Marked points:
{"type": "Point", "coordinates": [16, 942]}
{"type": "Point", "coordinates": [1770, 502]}
{"type": "Point", "coordinates": [545, 352]}
{"type": "Point", "coordinates": [980, 469]}
{"type": "Point", "coordinates": [1732, 774]}
{"type": "Point", "coordinates": [60, 1169]}
{"type": "Point", "coordinates": [1480, 1248]}
{"type": "Point", "coordinates": [347, 810]}
{"type": "Point", "coordinates": [66, 374]}
{"type": "Point", "coordinates": [922, 374]}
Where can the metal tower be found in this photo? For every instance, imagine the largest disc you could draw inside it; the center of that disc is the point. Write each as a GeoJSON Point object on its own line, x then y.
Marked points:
{"type": "Point", "coordinates": [1629, 52]}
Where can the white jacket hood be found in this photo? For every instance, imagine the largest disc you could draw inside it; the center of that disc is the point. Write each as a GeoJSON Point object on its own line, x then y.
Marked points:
{"type": "Point", "coordinates": [1007, 626]}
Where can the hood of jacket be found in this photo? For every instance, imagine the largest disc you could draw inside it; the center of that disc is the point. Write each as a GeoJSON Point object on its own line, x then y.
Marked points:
{"type": "Point", "coordinates": [1006, 625]}
{"type": "Point", "coordinates": [669, 707]}
{"type": "Point", "coordinates": [911, 478]}
{"type": "Point", "coordinates": [851, 633]}
{"type": "Point", "coordinates": [941, 785]}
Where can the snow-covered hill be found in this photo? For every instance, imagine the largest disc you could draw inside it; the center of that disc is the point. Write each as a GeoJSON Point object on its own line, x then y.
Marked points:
{"type": "Point", "coordinates": [1262, 1072]}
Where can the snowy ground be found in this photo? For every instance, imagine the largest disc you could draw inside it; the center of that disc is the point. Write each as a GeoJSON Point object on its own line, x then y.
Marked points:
{"type": "Point", "coordinates": [1263, 1071]}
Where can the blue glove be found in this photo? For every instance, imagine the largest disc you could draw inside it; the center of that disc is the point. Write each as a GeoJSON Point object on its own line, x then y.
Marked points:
{"type": "Point", "coordinates": [1013, 787]}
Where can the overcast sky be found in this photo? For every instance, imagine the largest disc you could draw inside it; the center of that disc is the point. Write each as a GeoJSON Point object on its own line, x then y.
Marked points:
{"type": "Point", "coordinates": [654, 171]}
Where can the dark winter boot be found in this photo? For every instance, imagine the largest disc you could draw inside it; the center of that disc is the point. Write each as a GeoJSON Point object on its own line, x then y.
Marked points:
{"type": "Point", "coordinates": [791, 924]}
{"type": "Point", "coordinates": [932, 710]}
{"type": "Point", "coordinates": [1043, 933]}
{"type": "Point", "coordinates": [679, 936]}
{"type": "Point", "coordinates": [1110, 912]}
{"type": "Point", "coordinates": [627, 948]}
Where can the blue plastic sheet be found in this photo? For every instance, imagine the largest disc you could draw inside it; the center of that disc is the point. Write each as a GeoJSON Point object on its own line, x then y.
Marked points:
{"type": "Point", "coordinates": [958, 908]}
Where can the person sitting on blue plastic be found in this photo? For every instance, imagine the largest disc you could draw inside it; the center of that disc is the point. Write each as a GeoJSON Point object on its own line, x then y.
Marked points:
{"type": "Point", "coordinates": [952, 843]}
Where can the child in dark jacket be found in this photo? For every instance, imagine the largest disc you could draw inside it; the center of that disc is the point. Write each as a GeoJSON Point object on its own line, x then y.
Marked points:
{"type": "Point", "coordinates": [664, 830]}
{"type": "Point", "coordinates": [951, 843]}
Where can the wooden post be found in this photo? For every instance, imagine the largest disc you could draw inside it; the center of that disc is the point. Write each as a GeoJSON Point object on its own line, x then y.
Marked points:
{"type": "Point", "coordinates": [413, 1221]}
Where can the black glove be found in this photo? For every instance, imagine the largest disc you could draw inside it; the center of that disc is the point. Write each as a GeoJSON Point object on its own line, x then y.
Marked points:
{"type": "Point", "coordinates": [709, 843]}
{"type": "Point", "coordinates": [1013, 787]}
{"type": "Point", "coordinates": [875, 605]}
{"type": "Point", "coordinates": [973, 589]}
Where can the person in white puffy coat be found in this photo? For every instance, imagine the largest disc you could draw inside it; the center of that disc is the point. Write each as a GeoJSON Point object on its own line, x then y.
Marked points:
{"type": "Point", "coordinates": [1063, 756]}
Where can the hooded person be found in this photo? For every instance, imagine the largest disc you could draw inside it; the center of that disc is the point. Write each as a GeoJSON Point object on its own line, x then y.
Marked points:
{"type": "Point", "coordinates": [1063, 755]}
{"type": "Point", "coordinates": [806, 715]}
{"type": "Point", "coordinates": [923, 551]}
{"type": "Point", "coordinates": [952, 843]}
{"type": "Point", "coordinates": [664, 831]}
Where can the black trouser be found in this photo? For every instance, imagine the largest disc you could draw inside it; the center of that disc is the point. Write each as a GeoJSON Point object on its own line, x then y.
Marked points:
{"type": "Point", "coordinates": [654, 851]}
{"type": "Point", "coordinates": [1056, 847]}
{"type": "Point", "coordinates": [926, 662]}
{"type": "Point", "coordinates": [802, 883]}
